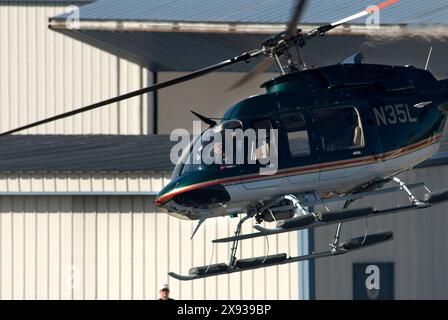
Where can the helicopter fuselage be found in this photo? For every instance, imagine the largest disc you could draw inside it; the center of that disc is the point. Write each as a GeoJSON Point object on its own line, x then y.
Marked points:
{"type": "Point", "coordinates": [339, 128]}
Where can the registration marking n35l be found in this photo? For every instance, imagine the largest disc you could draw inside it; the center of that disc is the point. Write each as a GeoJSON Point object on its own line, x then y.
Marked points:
{"type": "Point", "coordinates": [393, 114]}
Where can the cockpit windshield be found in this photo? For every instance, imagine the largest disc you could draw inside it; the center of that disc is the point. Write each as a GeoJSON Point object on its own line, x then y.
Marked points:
{"type": "Point", "coordinates": [209, 150]}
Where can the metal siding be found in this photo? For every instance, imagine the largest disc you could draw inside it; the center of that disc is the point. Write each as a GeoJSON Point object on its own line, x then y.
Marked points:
{"type": "Point", "coordinates": [44, 72]}
{"type": "Point", "coordinates": [83, 182]}
{"type": "Point", "coordinates": [121, 248]}
{"type": "Point", "coordinates": [419, 249]}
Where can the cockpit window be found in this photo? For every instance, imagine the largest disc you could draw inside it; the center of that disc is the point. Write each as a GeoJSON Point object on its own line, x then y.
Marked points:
{"type": "Point", "coordinates": [299, 144]}
{"type": "Point", "coordinates": [340, 128]}
{"type": "Point", "coordinates": [260, 150]}
{"type": "Point", "coordinates": [209, 152]}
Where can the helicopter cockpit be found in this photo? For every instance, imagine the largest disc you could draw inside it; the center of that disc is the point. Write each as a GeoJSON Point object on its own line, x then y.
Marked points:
{"type": "Point", "coordinates": [208, 151]}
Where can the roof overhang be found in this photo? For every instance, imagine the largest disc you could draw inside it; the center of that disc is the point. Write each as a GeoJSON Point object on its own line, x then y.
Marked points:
{"type": "Point", "coordinates": [187, 35]}
{"type": "Point", "coordinates": [187, 46]}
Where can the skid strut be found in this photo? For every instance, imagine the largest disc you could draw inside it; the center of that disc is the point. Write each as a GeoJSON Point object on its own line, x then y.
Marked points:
{"type": "Point", "coordinates": [334, 244]}
{"type": "Point", "coordinates": [279, 259]}
{"type": "Point", "coordinates": [414, 200]}
{"type": "Point", "coordinates": [234, 248]}
{"type": "Point", "coordinates": [311, 220]}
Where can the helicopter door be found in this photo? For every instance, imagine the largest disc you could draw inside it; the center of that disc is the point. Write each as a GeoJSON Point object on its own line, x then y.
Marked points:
{"type": "Point", "coordinates": [342, 143]}
{"type": "Point", "coordinates": [302, 165]}
{"type": "Point", "coordinates": [259, 153]}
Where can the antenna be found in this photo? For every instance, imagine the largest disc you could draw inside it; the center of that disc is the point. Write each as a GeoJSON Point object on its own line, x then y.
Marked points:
{"type": "Point", "coordinates": [429, 58]}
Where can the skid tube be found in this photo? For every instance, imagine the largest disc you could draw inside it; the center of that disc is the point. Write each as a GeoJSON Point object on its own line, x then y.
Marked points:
{"type": "Point", "coordinates": [279, 259]}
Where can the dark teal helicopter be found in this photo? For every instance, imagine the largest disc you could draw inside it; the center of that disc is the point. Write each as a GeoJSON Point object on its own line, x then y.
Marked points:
{"type": "Point", "coordinates": [341, 133]}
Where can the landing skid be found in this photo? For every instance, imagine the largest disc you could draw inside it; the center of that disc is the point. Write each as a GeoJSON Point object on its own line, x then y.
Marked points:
{"type": "Point", "coordinates": [310, 220]}
{"type": "Point", "coordinates": [279, 259]}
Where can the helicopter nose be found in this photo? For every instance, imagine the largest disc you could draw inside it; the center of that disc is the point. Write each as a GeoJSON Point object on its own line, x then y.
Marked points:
{"type": "Point", "coordinates": [166, 194]}
{"type": "Point", "coordinates": [198, 196]}
{"type": "Point", "coordinates": [163, 197]}
{"type": "Point", "coordinates": [158, 202]}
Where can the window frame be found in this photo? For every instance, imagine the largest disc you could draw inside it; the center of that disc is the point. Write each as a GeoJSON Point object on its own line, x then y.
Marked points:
{"type": "Point", "coordinates": [306, 126]}
{"type": "Point", "coordinates": [271, 139]}
{"type": "Point", "coordinates": [360, 125]}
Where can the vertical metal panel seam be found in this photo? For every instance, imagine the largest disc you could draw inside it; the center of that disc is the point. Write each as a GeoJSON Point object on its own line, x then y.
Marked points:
{"type": "Point", "coordinates": [228, 276]}
{"type": "Point", "coordinates": [72, 102]}
{"type": "Point", "coordinates": [132, 247]}
{"type": "Point", "coordinates": [118, 93]}
{"type": "Point", "coordinates": [8, 66]}
{"type": "Point", "coordinates": [60, 248]}
{"type": "Point", "coordinates": [108, 248]}
{"type": "Point", "coordinates": [27, 107]}
{"type": "Point", "coordinates": [119, 251]}
{"type": "Point", "coordinates": [36, 247]}
{"type": "Point", "coordinates": [90, 93]}
{"type": "Point", "coordinates": [265, 275]}
{"type": "Point", "coordinates": [155, 246]}
{"type": "Point", "coordinates": [149, 107]}
{"type": "Point", "coordinates": [289, 267]}
{"type": "Point", "coordinates": [215, 250]}
{"type": "Point", "coordinates": [19, 97]}
{"type": "Point", "coordinates": [252, 271]}
{"type": "Point", "coordinates": [44, 76]}
{"type": "Point", "coordinates": [144, 248]}
{"type": "Point", "coordinates": [24, 254]}
{"type": "Point", "coordinates": [180, 253]}
{"type": "Point", "coordinates": [72, 246]}
{"type": "Point", "coordinates": [84, 207]}
{"type": "Point", "coordinates": [9, 71]}
{"type": "Point", "coordinates": [168, 242]}
{"type": "Point", "coordinates": [1, 252]}
{"type": "Point", "coordinates": [48, 248]}
{"type": "Point", "coordinates": [155, 104]}
{"type": "Point", "coordinates": [204, 254]}
{"type": "Point", "coordinates": [12, 250]}
{"type": "Point", "coordinates": [140, 74]}
{"type": "Point", "coordinates": [96, 248]}
{"type": "Point", "coordinates": [54, 93]}
{"type": "Point", "coordinates": [277, 271]}
{"type": "Point", "coordinates": [240, 276]}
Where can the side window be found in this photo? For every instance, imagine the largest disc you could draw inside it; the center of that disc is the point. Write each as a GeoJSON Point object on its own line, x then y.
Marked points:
{"type": "Point", "coordinates": [299, 144]}
{"type": "Point", "coordinates": [340, 128]}
{"type": "Point", "coordinates": [261, 149]}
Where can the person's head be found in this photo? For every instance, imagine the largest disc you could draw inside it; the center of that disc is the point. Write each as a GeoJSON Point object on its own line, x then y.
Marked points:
{"type": "Point", "coordinates": [164, 292]}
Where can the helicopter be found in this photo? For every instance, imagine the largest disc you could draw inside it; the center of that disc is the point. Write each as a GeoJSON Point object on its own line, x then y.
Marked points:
{"type": "Point", "coordinates": [339, 133]}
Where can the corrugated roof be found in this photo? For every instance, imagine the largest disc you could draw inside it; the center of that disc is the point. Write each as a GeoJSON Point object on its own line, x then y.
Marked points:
{"type": "Point", "coordinates": [85, 153]}
{"type": "Point", "coordinates": [262, 11]}
{"type": "Point", "coordinates": [45, 2]}
{"type": "Point", "coordinates": [102, 153]}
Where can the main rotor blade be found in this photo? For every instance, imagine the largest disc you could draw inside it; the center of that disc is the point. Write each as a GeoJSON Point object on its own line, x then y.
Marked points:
{"type": "Point", "coordinates": [261, 67]}
{"type": "Point", "coordinates": [323, 29]}
{"type": "Point", "coordinates": [292, 26]}
{"type": "Point", "coordinates": [196, 74]}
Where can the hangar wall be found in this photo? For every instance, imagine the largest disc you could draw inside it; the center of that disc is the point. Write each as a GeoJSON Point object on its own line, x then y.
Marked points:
{"type": "Point", "coordinates": [119, 247]}
{"type": "Point", "coordinates": [44, 73]}
{"type": "Point", "coordinates": [419, 249]}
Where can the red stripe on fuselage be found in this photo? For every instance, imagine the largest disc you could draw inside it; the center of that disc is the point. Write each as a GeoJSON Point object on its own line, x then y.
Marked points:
{"type": "Point", "coordinates": [306, 169]}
